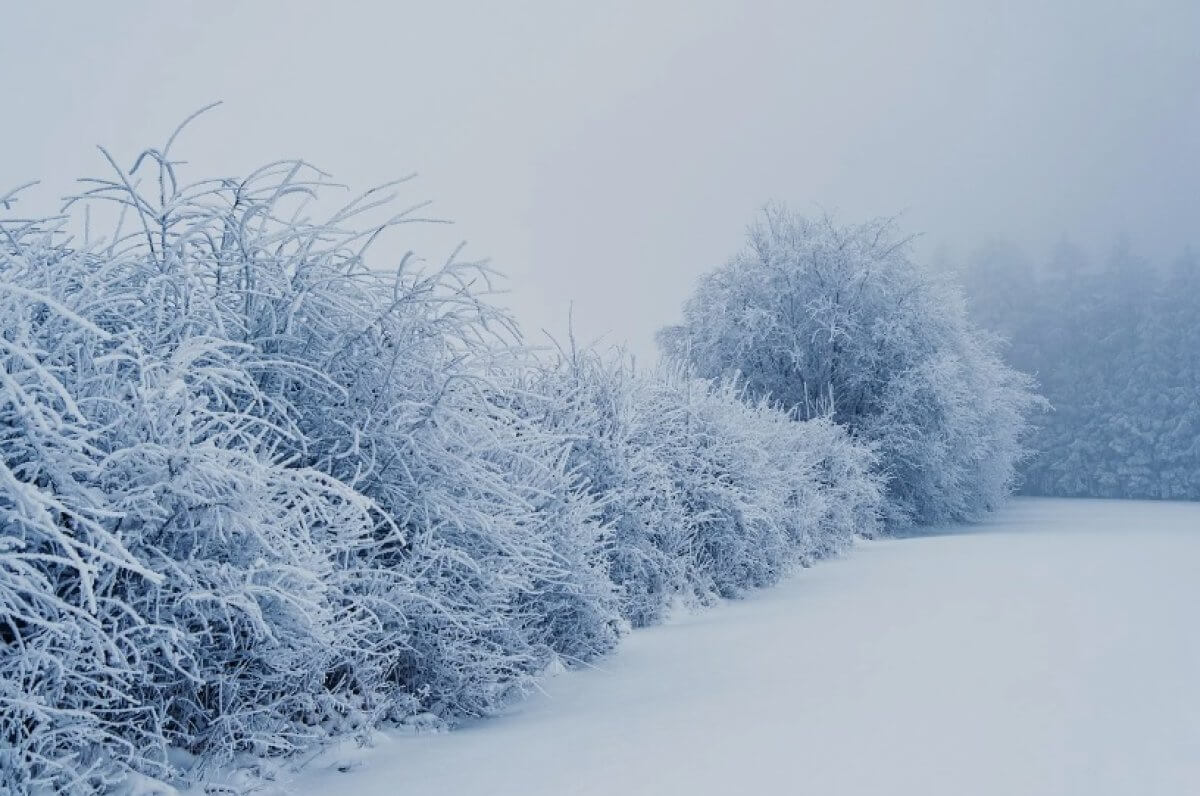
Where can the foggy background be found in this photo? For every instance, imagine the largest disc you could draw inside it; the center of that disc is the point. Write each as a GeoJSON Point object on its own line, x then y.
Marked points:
{"type": "Point", "coordinates": [609, 153]}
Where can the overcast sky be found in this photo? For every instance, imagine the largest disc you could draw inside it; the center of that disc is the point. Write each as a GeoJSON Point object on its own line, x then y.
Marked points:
{"type": "Point", "coordinates": [607, 153]}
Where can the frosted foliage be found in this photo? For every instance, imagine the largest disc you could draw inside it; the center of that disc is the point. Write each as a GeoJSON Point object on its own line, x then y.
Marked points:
{"type": "Point", "coordinates": [255, 494]}
{"type": "Point", "coordinates": [705, 494]}
{"type": "Point", "coordinates": [839, 321]}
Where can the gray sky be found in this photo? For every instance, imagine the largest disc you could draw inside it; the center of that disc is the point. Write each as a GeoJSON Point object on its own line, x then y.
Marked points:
{"type": "Point", "coordinates": [607, 153]}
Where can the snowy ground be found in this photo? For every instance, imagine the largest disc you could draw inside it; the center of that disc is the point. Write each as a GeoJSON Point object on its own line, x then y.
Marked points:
{"type": "Point", "coordinates": [1052, 650]}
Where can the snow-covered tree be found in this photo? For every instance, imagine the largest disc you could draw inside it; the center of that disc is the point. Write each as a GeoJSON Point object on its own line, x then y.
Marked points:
{"type": "Point", "coordinates": [840, 320]}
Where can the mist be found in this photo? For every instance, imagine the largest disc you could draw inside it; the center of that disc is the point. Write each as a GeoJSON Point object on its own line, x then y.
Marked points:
{"type": "Point", "coordinates": [604, 155]}
{"type": "Point", "coordinates": [546, 326]}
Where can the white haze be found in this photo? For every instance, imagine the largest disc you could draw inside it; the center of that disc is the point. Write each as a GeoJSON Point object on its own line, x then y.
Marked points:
{"type": "Point", "coordinates": [607, 153]}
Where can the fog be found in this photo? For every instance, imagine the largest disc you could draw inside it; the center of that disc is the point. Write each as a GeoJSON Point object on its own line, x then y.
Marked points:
{"type": "Point", "coordinates": [606, 154]}
{"type": "Point", "coordinates": [266, 503]}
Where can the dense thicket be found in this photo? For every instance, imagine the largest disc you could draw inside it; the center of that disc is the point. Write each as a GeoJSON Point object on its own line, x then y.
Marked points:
{"type": "Point", "coordinates": [704, 492]}
{"type": "Point", "coordinates": [1116, 347]}
{"type": "Point", "coordinates": [254, 493]}
{"type": "Point", "coordinates": [825, 318]}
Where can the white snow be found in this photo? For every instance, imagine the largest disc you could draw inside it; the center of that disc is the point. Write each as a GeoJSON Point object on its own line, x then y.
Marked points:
{"type": "Point", "coordinates": [1050, 650]}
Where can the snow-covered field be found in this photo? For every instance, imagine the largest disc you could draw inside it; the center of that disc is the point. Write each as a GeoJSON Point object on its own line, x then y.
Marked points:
{"type": "Point", "coordinates": [1051, 650]}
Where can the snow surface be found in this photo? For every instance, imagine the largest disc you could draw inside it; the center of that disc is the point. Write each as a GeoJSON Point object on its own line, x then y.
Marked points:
{"type": "Point", "coordinates": [1051, 650]}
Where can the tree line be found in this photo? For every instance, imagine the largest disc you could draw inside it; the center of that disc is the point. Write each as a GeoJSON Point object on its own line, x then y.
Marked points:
{"type": "Point", "coordinates": [1115, 347]}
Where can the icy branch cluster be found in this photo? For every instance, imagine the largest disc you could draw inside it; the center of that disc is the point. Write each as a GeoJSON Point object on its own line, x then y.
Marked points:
{"type": "Point", "coordinates": [703, 491]}
{"type": "Point", "coordinates": [255, 494]}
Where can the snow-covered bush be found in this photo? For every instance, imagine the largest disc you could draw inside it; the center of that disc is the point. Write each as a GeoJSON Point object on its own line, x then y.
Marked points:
{"type": "Point", "coordinates": [835, 319]}
{"type": "Point", "coordinates": [65, 680]}
{"type": "Point", "coordinates": [705, 494]}
{"type": "Point", "coordinates": [755, 484]}
{"type": "Point", "coordinates": [255, 493]}
{"type": "Point", "coordinates": [617, 451]}
{"type": "Point", "coordinates": [171, 574]}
